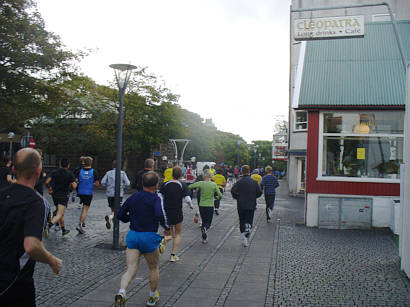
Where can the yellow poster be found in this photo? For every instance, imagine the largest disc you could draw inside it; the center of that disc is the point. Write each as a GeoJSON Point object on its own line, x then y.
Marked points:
{"type": "Point", "coordinates": [361, 153]}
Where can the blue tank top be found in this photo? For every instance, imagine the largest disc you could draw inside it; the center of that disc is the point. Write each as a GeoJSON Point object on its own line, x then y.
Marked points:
{"type": "Point", "coordinates": [86, 182]}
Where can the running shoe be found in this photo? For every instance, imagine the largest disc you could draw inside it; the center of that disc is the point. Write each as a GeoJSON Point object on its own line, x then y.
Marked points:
{"type": "Point", "coordinates": [245, 242]}
{"type": "Point", "coordinates": [83, 225]}
{"type": "Point", "coordinates": [153, 300]}
{"type": "Point", "coordinates": [66, 232]}
{"type": "Point", "coordinates": [120, 299]}
{"type": "Point", "coordinates": [247, 230]}
{"type": "Point", "coordinates": [173, 258]}
{"type": "Point", "coordinates": [204, 241]}
{"type": "Point", "coordinates": [107, 222]}
{"type": "Point", "coordinates": [162, 245]}
{"type": "Point", "coordinates": [216, 212]}
{"type": "Point", "coordinates": [80, 229]}
{"type": "Point", "coordinates": [203, 231]}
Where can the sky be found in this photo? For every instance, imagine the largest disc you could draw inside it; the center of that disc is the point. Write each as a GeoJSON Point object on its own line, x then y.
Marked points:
{"type": "Point", "coordinates": [227, 59]}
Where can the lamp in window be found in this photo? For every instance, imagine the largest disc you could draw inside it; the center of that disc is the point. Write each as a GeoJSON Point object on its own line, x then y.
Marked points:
{"type": "Point", "coordinates": [361, 128]}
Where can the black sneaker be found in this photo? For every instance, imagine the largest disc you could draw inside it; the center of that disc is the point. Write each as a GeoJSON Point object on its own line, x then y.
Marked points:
{"type": "Point", "coordinates": [83, 225]}
{"type": "Point", "coordinates": [216, 212]}
{"type": "Point", "coordinates": [107, 222]}
{"type": "Point", "coordinates": [66, 232]}
{"type": "Point", "coordinates": [203, 231]}
{"type": "Point", "coordinates": [247, 230]}
{"type": "Point", "coordinates": [80, 229]}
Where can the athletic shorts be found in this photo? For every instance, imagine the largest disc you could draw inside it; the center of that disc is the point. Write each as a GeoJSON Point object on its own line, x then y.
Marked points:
{"type": "Point", "coordinates": [145, 242]}
{"type": "Point", "coordinates": [174, 215]}
{"type": "Point", "coordinates": [60, 199]}
{"type": "Point", "coordinates": [111, 202]}
{"type": "Point", "coordinates": [86, 199]}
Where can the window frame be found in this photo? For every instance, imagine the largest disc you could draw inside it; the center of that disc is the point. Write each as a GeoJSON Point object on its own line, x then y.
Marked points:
{"type": "Point", "coordinates": [296, 122]}
{"type": "Point", "coordinates": [322, 134]}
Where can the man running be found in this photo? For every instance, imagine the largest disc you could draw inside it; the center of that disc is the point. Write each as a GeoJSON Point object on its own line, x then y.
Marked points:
{"type": "Point", "coordinates": [174, 192]}
{"type": "Point", "coordinates": [108, 181]}
{"type": "Point", "coordinates": [255, 176]}
{"type": "Point", "coordinates": [59, 182]}
{"type": "Point", "coordinates": [148, 166]}
{"type": "Point", "coordinates": [87, 179]}
{"type": "Point", "coordinates": [269, 184]}
{"type": "Point", "coordinates": [220, 181]}
{"type": "Point", "coordinates": [23, 215]}
{"type": "Point", "coordinates": [168, 172]}
{"type": "Point", "coordinates": [144, 211]}
{"type": "Point", "coordinates": [207, 190]}
{"type": "Point", "coordinates": [246, 191]}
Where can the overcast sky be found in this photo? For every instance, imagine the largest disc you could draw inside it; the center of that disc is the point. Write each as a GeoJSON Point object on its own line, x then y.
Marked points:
{"type": "Point", "coordinates": [228, 59]}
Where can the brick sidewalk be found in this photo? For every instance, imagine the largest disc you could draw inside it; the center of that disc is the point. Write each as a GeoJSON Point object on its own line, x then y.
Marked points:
{"type": "Point", "coordinates": [285, 264]}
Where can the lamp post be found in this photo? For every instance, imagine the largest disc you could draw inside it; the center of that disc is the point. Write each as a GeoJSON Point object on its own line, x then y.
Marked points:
{"type": "Point", "coordinates": [122, 76]}
{"type": "Point", "coordinates": [10, 136]}
{"type": "Point", "coordinates": [254, 155]}
{"type": "Point", "coordinates": [237, 158]}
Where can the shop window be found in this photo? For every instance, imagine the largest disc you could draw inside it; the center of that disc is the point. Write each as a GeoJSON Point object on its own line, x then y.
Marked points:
{"type": "Point", "coordinates": [301, 120]}
{"type": "Point", "coordinates": [365, 145]}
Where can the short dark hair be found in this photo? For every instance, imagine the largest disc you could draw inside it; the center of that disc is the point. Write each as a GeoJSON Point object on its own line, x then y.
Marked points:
{"type": "Point", "coordinates": [25, 164]}
{"type": "Point", "coordinates": [176, 172]}
{"type": "Point", "coordinates": [150, 179]}
{"type": "Point", "coordinates": [64, 162]}
{"type": "Point", "coordinates": [149, 163]}
{"type": "Point", "coordinates": [219, 171]}
{"type": "Point", "coordinates": [246, 169]}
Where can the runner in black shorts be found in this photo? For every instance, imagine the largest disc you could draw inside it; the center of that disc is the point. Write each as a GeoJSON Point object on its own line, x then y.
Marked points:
{"type": "Point", "coordinates": [174, 192]}
{"type": "Point", "coordinates": [59, 183]}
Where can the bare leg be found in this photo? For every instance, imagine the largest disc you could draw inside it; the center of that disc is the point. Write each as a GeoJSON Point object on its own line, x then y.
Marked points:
{"type": "Point", "coordinates": [83, 215]}
{"type": "Point", "coordinates": [59, 215]}
{"type": "Point", "coordinates": [152, 261]}
{"type": "Point", "coordinates": [133, 258]}
{"type": "Point", "coordinates": [62, 224]}
{"type": "Point", "coordinates": [176, 234]}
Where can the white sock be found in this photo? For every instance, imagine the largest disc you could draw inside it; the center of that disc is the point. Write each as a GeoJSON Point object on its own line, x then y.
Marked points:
{"type": "Point", "coordinates": [122, 291]}
{"type": "Point", "coordinates": [111, 217]}
{"type": "Point", "coordinates": [153, 294]}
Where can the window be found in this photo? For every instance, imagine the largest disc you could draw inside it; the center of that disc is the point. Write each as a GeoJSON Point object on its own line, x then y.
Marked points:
{"type": "Point", "coordinates": [301, 120]}
{"type": "Point", "coordinates": [364, 145]}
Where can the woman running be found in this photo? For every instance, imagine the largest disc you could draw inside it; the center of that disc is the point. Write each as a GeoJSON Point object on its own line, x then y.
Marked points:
{"type": "Point", "coordinates": [174, 192]}
{"type": "Point", "coordinates": [206, 203]}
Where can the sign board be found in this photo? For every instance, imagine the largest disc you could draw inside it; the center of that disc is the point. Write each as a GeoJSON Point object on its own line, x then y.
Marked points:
{"type": "Point", "coordinates": [328, 28]}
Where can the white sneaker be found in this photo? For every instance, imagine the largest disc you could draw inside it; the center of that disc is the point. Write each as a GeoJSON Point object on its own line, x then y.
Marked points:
{"type": "Point", "coordinates": [120, 299]}
{"type": "Point", "coordinates": [153, 300]}
{"type": "Point", "coordinates": [173, 258]}
{"type": "Point", "coordinates": [245, 242]}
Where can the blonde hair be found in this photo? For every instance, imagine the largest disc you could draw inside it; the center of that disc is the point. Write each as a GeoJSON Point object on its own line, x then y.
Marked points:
{"type": "Point", "coordinates": [207, 174]}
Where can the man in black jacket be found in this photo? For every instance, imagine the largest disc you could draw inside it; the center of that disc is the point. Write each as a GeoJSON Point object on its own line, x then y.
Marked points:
{"type": "Point", "coordinates": [148, 166]}
{"type": "Point", "coordinates": [246, 191]}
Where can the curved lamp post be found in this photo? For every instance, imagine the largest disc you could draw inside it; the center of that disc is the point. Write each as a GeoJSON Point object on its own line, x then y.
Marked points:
{"type": "Point", "coordinates": [122, 76]}
{"type": "Point", "coordinates": [11, 136]}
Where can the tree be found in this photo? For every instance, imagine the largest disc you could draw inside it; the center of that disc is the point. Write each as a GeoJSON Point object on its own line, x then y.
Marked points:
{"type": "Point", "coordinates": [33, 62]}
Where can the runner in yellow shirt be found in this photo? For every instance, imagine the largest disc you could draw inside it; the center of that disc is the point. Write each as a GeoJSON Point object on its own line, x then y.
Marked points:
{"type": "Point", "coordinates": [220, 181]}
{"type": "Point", "coordinates": [255, 176]}
{"type": "Point", "coordinates": [168, 172]}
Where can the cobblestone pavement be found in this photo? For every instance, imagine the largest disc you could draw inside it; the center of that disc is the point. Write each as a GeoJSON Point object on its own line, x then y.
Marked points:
{"type": "Point", "coordinates": [285, 264]}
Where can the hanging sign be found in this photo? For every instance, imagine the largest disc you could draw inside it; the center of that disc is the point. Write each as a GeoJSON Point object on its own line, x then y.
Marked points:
{"type": "Point", "coordinates": [361, 153]}
{"type": "Point", "coordinates": [328, 28]}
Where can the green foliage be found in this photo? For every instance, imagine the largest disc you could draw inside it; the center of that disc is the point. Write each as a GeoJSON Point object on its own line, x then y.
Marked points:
{"type": "Point", "coordinates": [32, 64]}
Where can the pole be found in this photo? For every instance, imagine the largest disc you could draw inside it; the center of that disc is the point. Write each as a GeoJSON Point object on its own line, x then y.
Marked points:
{"type": "Point", "coordinates": [11, 149]}
{"type": "Point", "coordinates": [237, 158]}
{"type": "Point", "coordinates": [116, 233]}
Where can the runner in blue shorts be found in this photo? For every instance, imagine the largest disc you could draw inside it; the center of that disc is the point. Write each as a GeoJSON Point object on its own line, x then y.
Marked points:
{"type": "Point", "coordinates": [144, 211]}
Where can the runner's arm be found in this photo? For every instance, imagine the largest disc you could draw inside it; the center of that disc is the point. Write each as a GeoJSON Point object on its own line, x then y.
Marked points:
{"type": "Point", "coordinates": [122, 213]}
{"type": "Point", "coordinates": [36, 250]}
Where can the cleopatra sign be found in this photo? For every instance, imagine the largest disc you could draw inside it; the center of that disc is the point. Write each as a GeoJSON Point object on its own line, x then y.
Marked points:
{"type": "Point", "coordinates": [329, 27]}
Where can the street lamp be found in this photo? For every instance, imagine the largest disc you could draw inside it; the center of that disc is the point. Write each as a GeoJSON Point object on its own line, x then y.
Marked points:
{"type": "Point", "coordinates": [11, 137]}
{"type": "Point", "coordinates": [122, 76]}
{"type": "Point", "coordinates": [254, 155]}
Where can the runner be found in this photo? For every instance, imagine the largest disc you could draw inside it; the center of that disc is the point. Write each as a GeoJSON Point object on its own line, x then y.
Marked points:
{"type": "Point", "coordinates": [23, 215]}
{"type": "Point", "coordinates": [190, 174]}
{"type": "Point", "coordinates": [59, 183]}
{"type": "Point", "coordinates": [168, 172]}
{"type": "Point", "coordinates": [174, 192]}
{"type": "Point", "coordinates": [246, 191]}
{"type": "Point", "coordinates": [269, 184]}
{"type": "Point", "coordinates": [109, 182]}
{"type": "Point", "coordinates": [220, 181]}
{"type": "Point", "coordinates": [255, 176]}
{"type": "Point", "coordinates": [148, 166]}
{"type": "Point", "coordinates": [6, 174]}
{"type": "Point", "coordinates": [144, 211]}
{"type": "Point", "coordinates": [87, 179]}
{"type": "Point", "coordinates": [206, 202]}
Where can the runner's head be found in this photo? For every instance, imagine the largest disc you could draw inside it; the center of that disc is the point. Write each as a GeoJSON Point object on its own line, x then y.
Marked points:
{"type": "Point", "coordinates": [176, 172]}
{"type": "Point", "coordinates": [245, 170]}
{"type": "Point", "coordinates": [64, 163]}
{"type": "Point", "coordinates": [170, 164]}
{"type": "Point", "coordinates": [27, 164]}
{"type": "Point", "coordinates": [255, 171]}
{"type": "Point", "coordinates": [207, 175]}
{"type": "Point", "coordinates": [149, 164]}
{"type": "Point", "coordinates": [268, 169]}
{"type": "Point", "coordinates": [150, 181]}
{"type": "Point", "coordinates": [88, 161]}
{"type": "Point", "coordinates": [219, 171]}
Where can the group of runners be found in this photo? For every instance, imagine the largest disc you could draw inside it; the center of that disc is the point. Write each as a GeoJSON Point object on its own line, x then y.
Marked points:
{"type": "Point", "coordinates": [154, 204]}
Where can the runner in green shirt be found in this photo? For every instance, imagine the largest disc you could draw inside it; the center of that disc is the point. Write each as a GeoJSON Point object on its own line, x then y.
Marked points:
{"type": "Point", "coordinates": [206, 204]}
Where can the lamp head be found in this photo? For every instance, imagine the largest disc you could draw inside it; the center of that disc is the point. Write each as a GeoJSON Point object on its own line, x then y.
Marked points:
{"type": "Point", "coordinates": [122, 74]}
